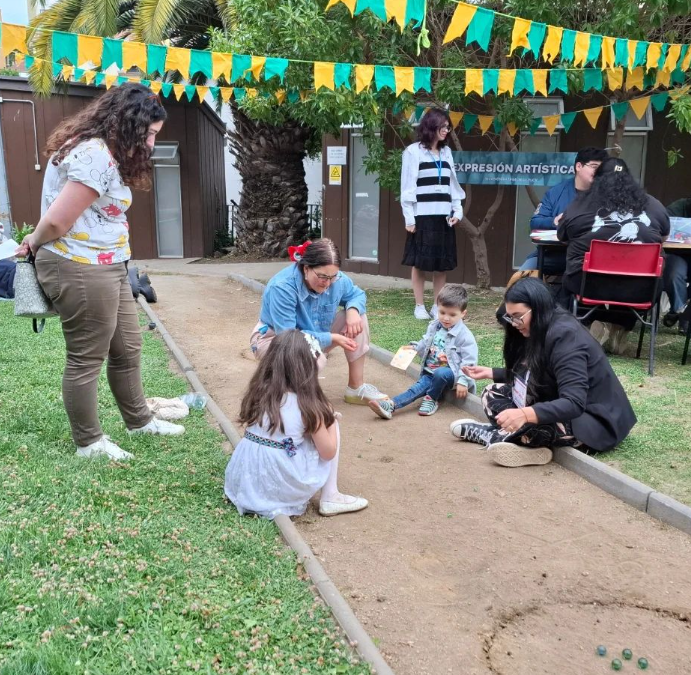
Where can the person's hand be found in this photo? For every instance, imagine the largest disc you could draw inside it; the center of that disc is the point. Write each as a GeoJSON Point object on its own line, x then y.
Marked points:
{"type": "Point", "coordinates": [477, 372]}
{"type": "Point", "coordinates": [512, 419]}
{"type": "Point", "coordinates": [453, 221]}
{"type": "Point", "coordinates": [461, 391]}
{"type": "Point", "coordinates": [344, 342]}
{"type": "Point", "coordinates": [557, 219]}
{"type": "Point", "coordinates": [27, 245]}
{"type": "Point", "coordinates": [410, 228]}
{"type": "Point", "coordinates": [353, 326]}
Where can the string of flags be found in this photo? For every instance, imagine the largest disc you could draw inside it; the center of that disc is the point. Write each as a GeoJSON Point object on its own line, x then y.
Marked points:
{"type": "Point", "coordinates": [402, 12]}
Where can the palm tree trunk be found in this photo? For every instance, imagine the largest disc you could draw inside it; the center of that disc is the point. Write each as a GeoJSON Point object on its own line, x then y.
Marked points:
{"type": "Point", "coordinates": [273, 204]}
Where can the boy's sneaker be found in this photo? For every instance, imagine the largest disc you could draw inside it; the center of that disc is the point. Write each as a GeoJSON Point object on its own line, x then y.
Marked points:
{"type": "Point", "coordinates": [384, 407]}
{"type": "Point", "coordinates": [363, 394]}
{"type": "Point", "coordinates": [510, 454]}
{"type": "Point", "coordinates": [428, 406]}
{"type": "Point", "coordinates": [104, 447]}
{"type": "Point", "coordinates": [474, 432]}
{"type": "Point", "coordinates": [421, 313]}
{"type": "Point", "coordinates": [160, 428]}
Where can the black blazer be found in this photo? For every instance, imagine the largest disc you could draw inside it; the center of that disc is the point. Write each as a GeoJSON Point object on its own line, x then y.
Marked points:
{"type": "Point", "coordinates": [579, 386]}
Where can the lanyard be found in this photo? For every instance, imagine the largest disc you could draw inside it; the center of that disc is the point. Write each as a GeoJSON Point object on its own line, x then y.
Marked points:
{"type": "Point", "coordinates": [438, 165]}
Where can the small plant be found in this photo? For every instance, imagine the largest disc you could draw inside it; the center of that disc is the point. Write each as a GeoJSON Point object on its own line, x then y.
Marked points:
{"type": "Point", "coordinates": [20, 233]}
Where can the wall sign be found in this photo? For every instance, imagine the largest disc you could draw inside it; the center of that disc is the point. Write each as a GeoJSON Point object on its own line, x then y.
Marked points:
{"type": "Point", "coordinates": [336, 154]}
{"type": "Point", "coordinates": [335, 175]}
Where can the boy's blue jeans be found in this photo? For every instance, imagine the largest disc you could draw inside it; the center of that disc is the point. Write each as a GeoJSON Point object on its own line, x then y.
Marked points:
{"type": "Point", "coordinates": [432, 384]}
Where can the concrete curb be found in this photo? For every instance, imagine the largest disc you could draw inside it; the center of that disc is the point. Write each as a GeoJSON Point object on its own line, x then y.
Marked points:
{"type": "Point", "coordinates": [341, 610]}
{"type": "Point", "coordinates": [616, 483]}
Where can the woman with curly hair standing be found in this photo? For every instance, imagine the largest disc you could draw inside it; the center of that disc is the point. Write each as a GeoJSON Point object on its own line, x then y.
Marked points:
{"type": "Point", "coordinates": [81, 245]}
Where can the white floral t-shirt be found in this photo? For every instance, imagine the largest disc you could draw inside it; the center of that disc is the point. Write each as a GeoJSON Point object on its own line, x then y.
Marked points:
{"type": "Point", "coordinates": [100, 236]}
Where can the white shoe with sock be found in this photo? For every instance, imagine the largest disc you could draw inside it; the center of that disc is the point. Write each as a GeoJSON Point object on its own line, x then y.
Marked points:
{"type": "Point", "coordinates": [421, 313]}
{"type": "Point", "coordinates": [363, 394]}
{"type": "Point", "coordinates": [160, 428]}
{"type": "Point", "coordinates": [434, 312]}
{"type": "Point", "coordinates": [104, 447]}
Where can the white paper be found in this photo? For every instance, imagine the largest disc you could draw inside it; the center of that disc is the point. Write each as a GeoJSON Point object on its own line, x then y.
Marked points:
{"type": "Point", "coordinates": [544, 235]}
{"type": "Point", "coordinates": [336, 154]}
{"type": "Point", "coordinates": [7, 249]}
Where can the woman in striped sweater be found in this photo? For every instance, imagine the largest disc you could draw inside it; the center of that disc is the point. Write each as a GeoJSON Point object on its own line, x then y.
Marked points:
{"type": "Point", "coordinates": [431, 202]}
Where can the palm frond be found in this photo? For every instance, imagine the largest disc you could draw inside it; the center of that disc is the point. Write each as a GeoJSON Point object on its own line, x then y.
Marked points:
{"type": "Point", "coordinates": [227, 13]}
{"type": "Point", "coordinates": [101, 16]}
{"type": "Point", "coordinates": [154, 19]}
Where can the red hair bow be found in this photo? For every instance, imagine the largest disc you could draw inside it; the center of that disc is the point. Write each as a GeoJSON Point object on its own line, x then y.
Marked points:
{"type": "Point", "coordinates": [296, 252]}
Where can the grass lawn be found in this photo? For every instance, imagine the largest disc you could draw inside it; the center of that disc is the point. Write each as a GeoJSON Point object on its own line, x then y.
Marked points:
{"type": "Point", "coordinates": [658, 451]}
{"type": "Point", "coordinates": [143, 567]}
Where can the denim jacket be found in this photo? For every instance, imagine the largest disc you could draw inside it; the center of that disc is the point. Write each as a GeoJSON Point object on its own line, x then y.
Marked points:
{"type": "Point", "coordinates": [287, 303]}
{"type": "Point", "coordinates": [460, 350]}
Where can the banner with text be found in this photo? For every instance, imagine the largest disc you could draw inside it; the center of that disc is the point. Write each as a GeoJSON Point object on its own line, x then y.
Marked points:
{"type": "Point", "coordinates": [513, 168]}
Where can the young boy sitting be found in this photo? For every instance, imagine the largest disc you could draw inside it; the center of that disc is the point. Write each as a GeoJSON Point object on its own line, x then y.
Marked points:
{"type": "Point", "coordinates": [447, 346]}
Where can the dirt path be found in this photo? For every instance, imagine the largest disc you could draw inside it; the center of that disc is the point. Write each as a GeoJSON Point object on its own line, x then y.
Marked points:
{"type": "Point", "coordinates": [460, 566]}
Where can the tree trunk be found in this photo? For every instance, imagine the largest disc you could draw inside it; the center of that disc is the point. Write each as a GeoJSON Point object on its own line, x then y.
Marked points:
{"type": "Point", "coordinates": [272, 214]}
{"type": "Point", "coordinates": [479, 244]}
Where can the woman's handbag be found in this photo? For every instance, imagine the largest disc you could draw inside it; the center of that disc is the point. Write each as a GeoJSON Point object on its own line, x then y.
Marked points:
{"type": "Point", "coordinates": [29, 299]}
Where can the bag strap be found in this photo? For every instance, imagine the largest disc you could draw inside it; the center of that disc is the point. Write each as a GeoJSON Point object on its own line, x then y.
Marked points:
{"type": "Point", "coordinates": [39, 325]}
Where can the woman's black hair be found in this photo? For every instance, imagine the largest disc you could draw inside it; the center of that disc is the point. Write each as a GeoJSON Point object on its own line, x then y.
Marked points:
{"type": "Point", "coordinates": [320, 253]}
{"type": "Point", "coordinates": [615, 189]}
{"type": "Point", "coordinates": [433, 120]}
{"type": "Point", "coordinates": [531, 350]}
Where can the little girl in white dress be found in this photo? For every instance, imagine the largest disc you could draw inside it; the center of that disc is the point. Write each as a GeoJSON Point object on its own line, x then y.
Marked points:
{"type": "Point", "coordinates": [290, 448]}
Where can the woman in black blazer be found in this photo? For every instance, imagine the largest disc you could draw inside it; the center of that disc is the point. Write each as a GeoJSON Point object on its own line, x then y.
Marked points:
{"type": "Point", "coordinates": [557, 389]}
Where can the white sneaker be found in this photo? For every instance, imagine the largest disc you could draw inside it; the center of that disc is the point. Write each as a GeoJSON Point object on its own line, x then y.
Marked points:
{"type": "Point", "coordinates": [363, 394]}
{"type": "Point", "coordinates": [434, 312]}
{"type": "Point", "coordinates": [104, 447]}
{"type": "Point", "coordinates": [336, 508]}
{"type": "Point", "coordinates": [159, 427]}
{"type": "Point", "coordinates": [421, 313]}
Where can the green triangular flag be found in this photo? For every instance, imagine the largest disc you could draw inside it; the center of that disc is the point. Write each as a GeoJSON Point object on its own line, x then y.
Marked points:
{"type": "Point", "coordinates": [29, 62]}
{"type": "Point", "coordinates": [190, 91]}
{"type": "Point", "coordinates": [568, 44]}
{"type": "Point", "coordinates": [65, 47]}
{"type": "Point", "coordinates": [490, 80]}
{"type": "Point", "coordinates": [121, 80]}
{"type": "Point", "coordinates": [419, 109]}
{"type": "Point", "coordinates": [342, 74]}
{"type": "Point", "coordinates": [659, 101]}
{"type": "Point", "coordinates": [384, 77]}
{"type": "Point", "coordinates": [167, 88]}
{"type": "Point", "coordinates": [621, 52]}
{"type": "Point", "coordinates": [78, 74]}
{"type": "Point", "coordinates": [422, 79]}
{"type": "Point", "coordinates": [215, 91]}
{"type": "Point", "coordinates": [241, 64]}
{"type": "Point", "coordinates": [415, 11]}
{"type": "Point", "coordinates": [620, 109]}
{"type": "Point", "coordinates": [641, 54]}
{"type": "Point", "coordinates": [377, 7]}
{"type": "Point", "coordinates": [57, 70]}
{"type": "Point", "coordinates": [567, 120]}
{"type": "Point", "coordinates": [240, 93]}
{"type": "Point", "coordinates": [155, 59]}
{"type": "Point", "coordinates": [480, 28]}
{"type": "Point", "coordinates": [498, 126]}
{"type": "Point", "coordinates": [663, 56]}
{"type": "Point", "coordinates": [594, 49]}
{"type": "Point", "coordinates": [535, 125]}
{"type": "Point", "coordinates": [592, 79]}
{"type": "Point", "coordinates": [524, 82]}
{"type": "Point", "coordinates": [111, 54]}
{"type": "Point", "coordinates": [200, 62]}
{"type": "Point", "coordinates": [99, 79]}
{"type": "Point", "coordinates": [397, 107]}
{"type": "Point", "coordinates": [146, 83]}
{"type": "Point", "coordinates": [536, 36]}
{"type": "Point", "coordinates": [678, 76]}
{"type": "Point", "coordinates": [469, 122]}
{"type": "Point", "coordinates": [274, 67]}
{"type": "Point", "coordinates": [682, 54]}
{"type": "Point", "coordinates": [293, 96]}
{"type": "Point", "coordinates": [649, 79]}
{"type": "Point", "coordinates": [558, 81]}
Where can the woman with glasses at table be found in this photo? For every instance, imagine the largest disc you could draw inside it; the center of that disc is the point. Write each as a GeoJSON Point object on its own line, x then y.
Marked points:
{"type": "Point", "coordinates": [557, 387]}
{"type": "Point", "coordinates": [431, 203]}
{"type": "Point", "coordinates": [314, 296]}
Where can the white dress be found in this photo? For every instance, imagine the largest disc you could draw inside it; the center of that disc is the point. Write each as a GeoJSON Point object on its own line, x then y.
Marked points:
{"type": "Point", "coordinates": [267, 481]}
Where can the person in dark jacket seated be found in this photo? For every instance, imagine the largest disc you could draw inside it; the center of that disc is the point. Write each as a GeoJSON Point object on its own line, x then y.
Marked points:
{"type": "Point", "coordinates": [550, 210]}
{"type": "Point", "coordinates": [557, 388]}
{"type": "Point", "coordinates": [7, 271]}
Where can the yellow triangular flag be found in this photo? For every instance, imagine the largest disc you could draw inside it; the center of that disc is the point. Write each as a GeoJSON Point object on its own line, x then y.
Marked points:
{"type": "Point", "coordinates": [455, 118]}
{"type": "Point", "coordinates": [460, 21]}
{"type": "Point", "coordinates": [133, 79]}
{"type": "Point", "coordinates": [550, 122]}
{"type": "Point", "coordinates": [580, 51]}
{"type": "Point", "coordinates": [654, 54]}
{"type": "Point", "coordinates": [13, 37]}
{"type": "Point", "coordinates": [485, 122]}
{"type": "Point", "coordinates": [134, 54]}
{"type": "Point", "coordinates": [404, 79]}
{"type": "Point", "coordinates": [251, 93]}
{"type": "Point", "coordinates": [202, 92]}
{"type": "Point", "coordinates": [179, 90]}
{"type": "Point", "coordinates": [540, 81]}
{"type": "Point", "coordinates": [89, 48]}
{"type": "Point", "coordinates": [615, 78]}
{"type": "Point", "coordinates": [89, 76]}
{"type": "Point", "coordinates": [607, 53]}
{"type": "Point", "coordinates": [67, 72]}
{"type": "Point", "coordinates": [639, 106]}
{"type": "Point", "coordinates": [633, 46]}
{"type": "Point", "coordinates": [635, 79]}
{"type": "Point", "coordinates": [176, 59]}
{"type": "Point", "coordinates": [663, 78]}
{"type": "Point", "coordinates": [257, 65]}
{"type": "Point", "coordinates": [155, 86]}
{"type": "Point", "coordinates": [226, 93]}
{"type": "Point", "coordinates": [519, 35]}
{"type": "Point", "coordinates": [550, 49]}
{"type": "Point", "coordinates": [396, 9]}
{"type": "Point", "coordinates": [507, 79]}
{"type": "Point", "coordinates": [350, 4]}
{"type": "Point", "coordinates": [593, 116]}
{"type": "Point", "coordinates": [323, 75]}
{"type": "Point", "coordinates": [303, 95]}
{"type": "Point", "coordinates": [221, 64]}
{"type": "Point", "coordinates": [473, 81]}
{"type": "Point", "coordinates": [512, 128]}
{"type": "Point", "coordinates": [363, 77]}
{"type": "Point", "coordinates": [280, 96]}
{"type": "Point", "coordinates": [673, 55]}
{"type": "Point", "coordinates": [687, 60]}
{"type": "Point", "coordinates": [110, 80]}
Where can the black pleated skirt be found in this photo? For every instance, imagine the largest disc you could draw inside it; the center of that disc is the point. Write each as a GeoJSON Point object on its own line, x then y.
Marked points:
{"type": "Point", "coordinates": [432, 247]}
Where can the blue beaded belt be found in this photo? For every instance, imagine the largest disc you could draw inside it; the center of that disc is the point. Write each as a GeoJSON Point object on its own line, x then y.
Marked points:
{"type": "Point", "coordinates": [286, 444]}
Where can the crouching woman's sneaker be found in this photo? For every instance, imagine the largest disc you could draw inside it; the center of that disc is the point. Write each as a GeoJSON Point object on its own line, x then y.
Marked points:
{"type": "Point", "coordinates": [160, 428]}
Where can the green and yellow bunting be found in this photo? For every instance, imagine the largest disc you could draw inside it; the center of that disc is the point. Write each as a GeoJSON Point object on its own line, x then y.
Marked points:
{"type": "Point", "coordinates": [402, 12]}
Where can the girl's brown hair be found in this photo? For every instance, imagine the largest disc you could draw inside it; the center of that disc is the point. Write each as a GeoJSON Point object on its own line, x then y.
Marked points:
{"type": "Point", "coordinates": [287, 366]}
{"type": "Point", "coordinates": [121, 118]}
{"type": "Point", "coordinates": [320, 253]}
{"type": "Point", "coordinates": [431, 122]}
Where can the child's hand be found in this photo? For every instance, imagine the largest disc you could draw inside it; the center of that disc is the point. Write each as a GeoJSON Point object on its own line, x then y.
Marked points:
{"type": "Point", "coordinates": [461, 391]}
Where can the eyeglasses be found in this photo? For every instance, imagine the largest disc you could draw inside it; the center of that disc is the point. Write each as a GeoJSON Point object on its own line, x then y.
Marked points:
{"type": "Point", "coordinates": [593, 165]}
{"type": "Point", "coordinates": [447, 129]}
{"type": "Point", "coordinates": [516, 320]}
{"type": "Point", "coordinates": [326, 277]}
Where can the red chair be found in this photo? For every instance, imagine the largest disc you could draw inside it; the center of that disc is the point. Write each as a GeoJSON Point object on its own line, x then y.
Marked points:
{"type": "Point", "coordinates": [627, 276]}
